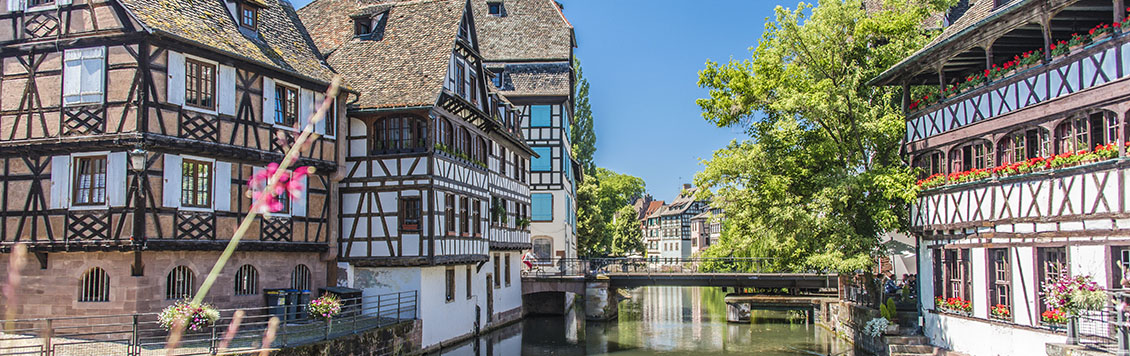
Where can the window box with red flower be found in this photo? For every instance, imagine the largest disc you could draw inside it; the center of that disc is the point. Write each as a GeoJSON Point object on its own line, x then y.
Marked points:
{"type": "Point", "coordinates": [1000, 312]}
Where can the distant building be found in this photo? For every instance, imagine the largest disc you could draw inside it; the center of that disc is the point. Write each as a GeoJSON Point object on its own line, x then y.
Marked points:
{"type": "Point", "coordinates": [706, 229]}
{"type": "Point", "coordinates": [672, 225]}
{"type": "Point", "coordinates": [650, 227]}
{"type": "Point", "coordinates": [527, 47]}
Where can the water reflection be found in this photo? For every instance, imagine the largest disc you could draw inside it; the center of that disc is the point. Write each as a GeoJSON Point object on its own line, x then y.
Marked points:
{"type": "Point", "coordinates": [661, 320]}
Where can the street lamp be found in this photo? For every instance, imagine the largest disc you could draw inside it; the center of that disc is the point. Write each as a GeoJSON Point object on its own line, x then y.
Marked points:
{"type": "Point", "coordinates": [137, 159]}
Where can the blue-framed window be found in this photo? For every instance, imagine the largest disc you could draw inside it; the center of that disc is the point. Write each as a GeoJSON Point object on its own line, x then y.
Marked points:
{"type": "Point", "coordinates": [541, 116]}
{"type": "Point", "coordinates": [541, 206]}
{"type": "Point", "coordinates": [544, 161]}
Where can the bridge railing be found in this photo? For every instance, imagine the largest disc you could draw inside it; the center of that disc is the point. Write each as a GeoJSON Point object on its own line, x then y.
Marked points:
{"type": "Point", "coordinates": [594, 266]}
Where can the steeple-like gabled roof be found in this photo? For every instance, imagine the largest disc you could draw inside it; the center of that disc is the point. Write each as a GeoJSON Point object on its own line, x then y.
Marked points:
{"type": "Point", "coordinates": [405, 68]}
{"type": "Point", "coordinates": [527, 30]}
{"type": "Point", "coordinates": [280, 42]}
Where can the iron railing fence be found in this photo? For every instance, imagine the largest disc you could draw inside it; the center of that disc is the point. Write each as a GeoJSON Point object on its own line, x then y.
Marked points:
{"type": "Point", "coordinates": [594, 266]}
{"type": "Point", "coordinates": [142, 334]}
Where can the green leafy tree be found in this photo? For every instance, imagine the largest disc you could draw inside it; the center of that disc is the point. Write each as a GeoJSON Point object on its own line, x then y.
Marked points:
{"type": "Point", "coordinates": [581, 133]}
{"type": "Point", "coordinates": [821, 178]}
{"type": "Point", "coordinates": [627, 239]}
{"type": "Point", "coordinates": [602, 194]}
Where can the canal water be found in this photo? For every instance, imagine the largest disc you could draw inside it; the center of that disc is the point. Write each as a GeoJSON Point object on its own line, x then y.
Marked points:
{"type": "Point", "coordinates": [661, 321]}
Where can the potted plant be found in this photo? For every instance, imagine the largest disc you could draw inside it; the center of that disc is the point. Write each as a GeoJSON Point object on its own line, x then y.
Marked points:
{"type": "Point", "coordinates": [191, 317]}
{"type": "Point", "coordinates": [1100, 32]}
{"type": "Point", "coordinates": [1072, 295]}
{"type": "Point", "coordinates": [889, 312]}
{"type": "Point", "coordinates": [325, 307]}
{"type": "Point", "coordinates": [1060, 49]}
{"type": "Point", "coordinates": [1001, 312]}
{"type": "Point", "coordinates": [876, 327]}
{"type": "Point", "coordinates": [523, 222]}
{"type": "Point", "coordinates": [1078, 41]}
{"type": "Point", "coordinates": [1054, 317]}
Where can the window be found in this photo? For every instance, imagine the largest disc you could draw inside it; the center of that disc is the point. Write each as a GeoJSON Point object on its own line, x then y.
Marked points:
{"type": "Point", "coordinates": [465, 142]}
{"type": "Point", "coordinates": [476, 217]}
{"type": "Point", "coordinates": [370, 28]}
{"type": "Point", "coordinates": [284, 202]}
{"type": "Point", "coordinates": [34, 3]}
{"type": "Point", "coordinates": [248, 16]}
{"type": "Point", "coordinates": [506, 258]}
{"type": "Point", "coordinates": [502, 161]}
{"type": "Point", "coordinates": [1120, 260]}
{"type": "Point", "coordinates": [199, 84]}
{"type": "Point", "coordinates": [94, 286]}
{"type": "Point", "coordinates": [300, 278]}
{"type": "Point", "coordinates": [83, 75]}
{"type": "Point", "coordinates": [464, 218]}
{"type": "Point", "coordinates": [179, 283]}
{"type": "Point", "coordinates": [246, 280]}
{"type": "Point", "coordinates": [542, 163]}
{"type": "Point", "coordinates": [956, 270]}
{"type": "Point", "coordinates": [473, 87]}
{"type": "Point", "coordinates": [330, 120]}
{"type": "Point", "coordinates": [497, 269]}
{"type": "Point", "coordinates": [400, 134]}
{"type": "Point", "coordinates": [521, 170]}
{"type": "Point", "coordinates": [90, 180]}
{"type": "Point", "coordinates": [286, 105]}
{"type": "Point", "coordinates": [1022, 145]}
{"type": "Point", "coordinates": [196, 184]}
{"type": "Point", "coordinates": [460, 73]}
{"type": "Point", "coordinates": [496, 9]}
{"type": "Point", "coordinates": [497, 80]}
{"type": "Point", "coordinates": [443, 133]}
{"type": "Point", "coordinates": [928, 164]}
{"type": "Point", "coordinates": [540, 116]}
{"type": "Point", "coordinates": [1000, 278]}
{"type": "Point", "coordinates": [542, 206]}
{"type": "Point", "coordinates": [449, 287]}
{"type": "Point", "coordinates": [449, 214]}
{"type": "Point", "coordinates": [469, 282]}
{"type": "Point", "coordinates": [1051, 263]}
{"type": "Point", "coordinates": [977, 154]}
{"type": "Point", "coordinates": [410, 214]}
{"type": "Point", "coordinates": [1085, 132]}
{"type": "Point", "coordinates": [481, 152]}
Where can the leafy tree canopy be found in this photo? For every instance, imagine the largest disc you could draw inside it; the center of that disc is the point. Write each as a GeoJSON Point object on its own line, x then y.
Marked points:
{"type": "Point", "coordinates": [581, 133]}
{"type": "Point", "coordinates": [602, 194]}
{"type": "Point", "coordinates": [821, 178]}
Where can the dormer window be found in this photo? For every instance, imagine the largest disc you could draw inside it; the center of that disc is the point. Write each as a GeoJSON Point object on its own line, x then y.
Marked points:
{"type": "Point", "coordinates": [496, 9]}
{"type": "Point", "coordinates": [34, 3]}
{"type": "Point", "coordinates": [370, 28]}
{"type": "Point", "coordinates": [248, 16]}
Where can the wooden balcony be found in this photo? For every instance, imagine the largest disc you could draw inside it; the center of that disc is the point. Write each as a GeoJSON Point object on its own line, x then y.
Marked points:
{"type": "Point", "coordinates": [1081, 201]}
{"type": "Point", "coordinates": [1084, 68]}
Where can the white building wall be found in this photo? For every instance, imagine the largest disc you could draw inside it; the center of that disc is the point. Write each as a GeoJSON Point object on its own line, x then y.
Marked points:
{"type": "Point", "coordinates": [559, 229]}
{"type": "Point", "coordinates": [1088, 260]}
{"type": "Point", "coordinates": [980, 283]}
{"type": "Point", "coordinates": [983, 338]}
{"type": "Point", "coordinates": [442, 320]}
{"type": "Point", "coordinates": [510, 297]}
{"type": "Point", "coordinates": [1024, 310]}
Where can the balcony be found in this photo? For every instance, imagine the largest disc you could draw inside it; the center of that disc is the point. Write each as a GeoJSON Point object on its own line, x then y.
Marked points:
{"type": "Point", "coordinates": [1094, 65]}
{"type": "Point", "coordinates": [1082, 200]}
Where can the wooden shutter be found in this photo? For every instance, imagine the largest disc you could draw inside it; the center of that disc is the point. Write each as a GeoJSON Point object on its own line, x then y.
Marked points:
{"type": "Point", "coordinates": [60, 182]}
{"type": "Point", "coordinates": [542, 204]}
{"type": "Point", "coordinates": [72, 74]}
{"type": "Point", "coordinates": [171, 192]}
{"type": "Point", "coordinates": [175, 82]}
{"type": "Point", "coordinates": [305, 103]}
{"type": "Point", "coordinates": [320, 127]}
{"type": "Point", "coordinates": [116, 172]}
{"type": "Point", "coordinates": [221, 186]}
{"type": "Point", "coordinates": [225, 90]}
{"type": "Point", "coordinates": [298, 205]}
{"type": "Point", "coordinates": [268, 100]}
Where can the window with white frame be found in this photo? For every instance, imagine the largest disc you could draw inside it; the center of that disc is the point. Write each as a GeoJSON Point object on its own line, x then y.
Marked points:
{"type": "Point", "coordinates": [196, 184]}
{"type": "Point", "coordinates": [84, 74]}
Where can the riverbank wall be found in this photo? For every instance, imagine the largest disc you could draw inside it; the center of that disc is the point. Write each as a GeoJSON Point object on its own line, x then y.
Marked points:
{"type": "Point", "coordinates": [399, 339]}
{"type": "Point", "coordinates": [847, 319]}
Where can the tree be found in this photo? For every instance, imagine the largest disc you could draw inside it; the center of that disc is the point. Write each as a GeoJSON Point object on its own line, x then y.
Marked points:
{"type": "Point", "coordinates": [627, 239]}
{"type": "Point", "coordinates": [581, 134]}
{"type": "Point", "coordinates": [821, 178]}
{"type": "Point", "coordinates": [602, 194]}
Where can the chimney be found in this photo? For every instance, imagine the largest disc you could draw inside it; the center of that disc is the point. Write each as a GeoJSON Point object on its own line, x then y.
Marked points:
{"type": "Point", "coordinates": [686, 186]}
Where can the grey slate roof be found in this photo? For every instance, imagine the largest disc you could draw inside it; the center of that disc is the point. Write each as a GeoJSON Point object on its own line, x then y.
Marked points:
{"type": "Point", "coordinates": [282, 40]}
{"type": "Point", "coordinates": [536, 79]}
{"type": "Point", "coordinates": [407, 67]}
{"type": "Point", "coordinates": [530, 30]}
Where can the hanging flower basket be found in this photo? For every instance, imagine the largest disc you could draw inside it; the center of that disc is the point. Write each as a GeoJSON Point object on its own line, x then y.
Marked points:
{"type": "Point", "coordinates": [325, 307]}
{"type": "Point", "coordinates": [195, 318]}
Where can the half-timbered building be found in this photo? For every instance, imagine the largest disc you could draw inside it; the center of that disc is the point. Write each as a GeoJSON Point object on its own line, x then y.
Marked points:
{"type": "Point", "coordinates": [128, 131]}
{"type": "Point", "coordinates": [528, 48]}
{"type": "Point", "coordinates": [671, 226]}
{"type": "Point", "coordinates": [1023, 171]}
{"type": "Point", "coordinates": [435, 193]}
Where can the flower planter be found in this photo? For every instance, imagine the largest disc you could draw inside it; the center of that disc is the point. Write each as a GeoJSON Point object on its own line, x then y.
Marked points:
{"type": "Point", "coordinates": [1100, 37]}
{"type": "Point", "coordinates": [892, 329]}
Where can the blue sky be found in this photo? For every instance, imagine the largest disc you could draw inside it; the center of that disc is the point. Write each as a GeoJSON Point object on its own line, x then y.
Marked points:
{"type": "Point", "coordinates": [642, 59]}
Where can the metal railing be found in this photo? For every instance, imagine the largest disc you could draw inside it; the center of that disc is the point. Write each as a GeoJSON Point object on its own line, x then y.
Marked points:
{"type": "Point", "coordinates": [595, 266]}
{"type": "Point", "coordinates": [1107, 329]}
{"type": "Point", "coordinates": [142, 334]}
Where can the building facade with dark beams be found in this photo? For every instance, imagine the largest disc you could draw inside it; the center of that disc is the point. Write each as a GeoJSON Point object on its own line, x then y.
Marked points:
{"type": "Point", "coordinates": [127, 140]}
{"type": "Point", "coordinates": [435, 194]}
{"type": "Point", "coordinates": [528, 49]}
{"type": "Point", "coordinates": [1023, 172]}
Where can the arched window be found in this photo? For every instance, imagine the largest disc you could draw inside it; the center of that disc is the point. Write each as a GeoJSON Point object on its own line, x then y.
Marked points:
{"type": "Point", "coordinates": [1086, 132]}
{"type": "Point", "coordinates": [246, 280]}
{"type": "Point", "coordinates": [543, 248]}
{"type": "Point", "coordinates": [928, 164]}
{"type": "Point", "coordinates": [94, 286]}
{"type": "Point", "coordinates": [300, 278]}
{"type": "Point", "coordinates": [481, 152]}
{"type": "Point", "coordinates": [444, 133]}
{"type": "Point", "coordinates": [399, 134]}
{"type": "Point", "coordinates": [974, 154]}
{"type": "Point", "coordinates": [1023, 144]}
{"type": "Point", "coordinates": [465, 142]}
{"type": "Point", "coordinates": [179, 283]}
